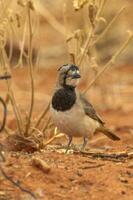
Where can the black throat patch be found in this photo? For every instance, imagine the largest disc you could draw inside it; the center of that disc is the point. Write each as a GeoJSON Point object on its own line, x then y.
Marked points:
{"type": "Point", "coordinates": [64, 99]}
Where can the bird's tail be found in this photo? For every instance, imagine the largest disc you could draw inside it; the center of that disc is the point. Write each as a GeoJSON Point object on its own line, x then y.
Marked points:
{"type": "Point", "coordinates": [108, 133]}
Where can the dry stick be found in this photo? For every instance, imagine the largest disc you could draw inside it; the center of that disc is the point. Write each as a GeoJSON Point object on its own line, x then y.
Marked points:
{"type": "Point", "coordinates": [111, 61]}
{"type": "Point", "coordinates": [50, 18]}
{"type": "Point", "coordinates": [36, 129]}
{"type": "Point", "coordinates": [10, 46]}
{"type": "Point", "coordinates": [42, 115]}
{"type": "Point", "coordinates": [5, 59]}
{"type": "Point", "coordinates": [20, 61]}
{"type": "Point", "coordinates": [108, 26]}
{"type": "Point", "coordinates": [111, 156]}
{"type": "Point", "coordinates": [46, 125]}
{"type": "Point", "coordinates": [85, 49]}
{"type": "Point", "coordinates": [8, 131]}
{"type": "Point", "coordinates": [30, 70]}
{"type": "Point", "coordinates": [15, 109]}
{"type": "Point", "coordinates": [49, 141]}
{"type": "Point", "coordinates": [102, 4]}
{"type": "Point", "coordinates": [22, 51]}
{"type": "Point", "coordinates": [53, 138]}
{"type": "Point", "coordinates": [16, 183]}
{"type": "Point", "coordinates": [12, 98]}
{"type": "Point", "coordinates": [91, 33]}
{"type": "Point", "coordinates": [87, 44]}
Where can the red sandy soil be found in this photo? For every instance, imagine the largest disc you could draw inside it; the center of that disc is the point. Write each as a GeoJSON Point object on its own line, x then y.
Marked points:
{"type": "Point", "coordinates": [73, 175]}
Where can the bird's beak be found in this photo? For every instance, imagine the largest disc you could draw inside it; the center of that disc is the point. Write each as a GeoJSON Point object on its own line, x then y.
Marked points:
{"type": "Point", "coordinates": [76, 76]}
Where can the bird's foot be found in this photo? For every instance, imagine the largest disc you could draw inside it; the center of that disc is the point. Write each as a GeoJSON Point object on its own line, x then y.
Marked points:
{"type": "Point", "coordinates": [84, 144]}
{"type": "Point", "coordinates": [69, 144]}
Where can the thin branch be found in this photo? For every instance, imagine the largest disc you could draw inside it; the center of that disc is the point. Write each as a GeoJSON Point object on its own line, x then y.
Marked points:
{"type": "Point", "coordinates": [46, 125]}
{"type": "Point", "coordinates": [20, 61]}
{"type": "Point", "coordinates": [85, 48]}
{"type": "Point", "coordinates": [59, 135]}
{"type": "Point", "coordinates": [11, 95]}
{"type": "Point", "coordinates": [40, 118]}
{"type": "Point", "coordinates": [10, 46]}
{"type": "Point", "coordinates": [89, 44]}
{"type": "Point", "coordinates": [108, 26]}
{"type": "Point", "coordinates": [111, 61]}
{"type": "Point", "coordinates": [115, 157]}
{"type": "Point", "coordinates": [102, 4]}
{"type": "Point", "coordinates": [30, 70]}
{"type": "Point", "coordinates": [16, 183]}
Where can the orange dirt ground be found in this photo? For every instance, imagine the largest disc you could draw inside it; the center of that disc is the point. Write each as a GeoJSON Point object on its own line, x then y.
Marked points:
{"type": "Point", "coordinates": [74, 175]}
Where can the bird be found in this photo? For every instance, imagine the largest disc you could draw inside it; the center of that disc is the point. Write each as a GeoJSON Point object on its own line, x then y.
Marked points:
{"type": "Point", "coordinates": [70, 110]}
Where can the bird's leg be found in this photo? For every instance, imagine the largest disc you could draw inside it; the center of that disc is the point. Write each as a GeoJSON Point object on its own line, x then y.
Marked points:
{"type": "Point", "coordinates": [84, 143]}
{"type": "Point", "coordinates": [69, 143]}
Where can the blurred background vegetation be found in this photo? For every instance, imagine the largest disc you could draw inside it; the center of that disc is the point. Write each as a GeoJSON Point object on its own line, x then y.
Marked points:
{"type": "Point", "coordinates": [36, 37]}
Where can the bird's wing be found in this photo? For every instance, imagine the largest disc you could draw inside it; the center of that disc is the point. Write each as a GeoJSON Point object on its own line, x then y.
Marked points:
{"type": "Point", "coordinates": [89, 110]}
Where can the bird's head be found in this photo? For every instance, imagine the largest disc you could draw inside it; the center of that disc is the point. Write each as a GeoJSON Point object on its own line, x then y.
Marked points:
{"type": "Point", "coordinates": [69, 75]}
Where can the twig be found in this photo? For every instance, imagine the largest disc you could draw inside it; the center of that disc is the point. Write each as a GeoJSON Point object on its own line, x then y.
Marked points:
{"type": "Point", "coordinates": [88, 43]}
{"type": "Point", "coordinates": [101, 7]}
{"type": "Point", "coordinates": [10, 46]}
{"type": "Point", "coordinates": [16, 183]}
{"type": "Point", "coordinates": [42, 115]}
{"type": "Point", "coordinates": [20, 61]}
{"type": "Point", "coordinates": [111, 61]}
{"type": "Point", "coordinates": [46, 125]}
{"type": "Point", "coordinates": [108, 26]}
{"type": "Point", "coordinates": [37, 130]}
{"type": "Point", "coordinates": [58, 135]}
{"type": "Point", "coordinates": [11, 95]}
{"type": "Point", "coordinates": [30, 69]}
{"type": "Point", "coordinates": [91, 34]}
{"type": "Point", "coordinates": [85, 49]}
{"type": "Point", "coordinates": [116, 157]}
{"type": "Point", "coordinates": [93, 166]}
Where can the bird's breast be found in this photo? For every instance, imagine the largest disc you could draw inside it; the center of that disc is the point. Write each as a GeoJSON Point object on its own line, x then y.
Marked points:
{"type": "Point", "coordinates": [63, 99]}
{"type": "Point", "coordinates": [71, 121]}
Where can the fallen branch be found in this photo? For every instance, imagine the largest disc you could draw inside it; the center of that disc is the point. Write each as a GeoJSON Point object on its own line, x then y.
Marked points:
{"type": "Point", "coordinates": [117, 157]}
{"type": "Point", "coordinates": [16, 183]}
{"type": "Point", "coordinates": [93, 166]}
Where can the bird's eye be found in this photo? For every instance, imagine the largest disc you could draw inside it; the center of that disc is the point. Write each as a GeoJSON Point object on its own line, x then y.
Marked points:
{"type": "Point", "coordinates": [75, 72]}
